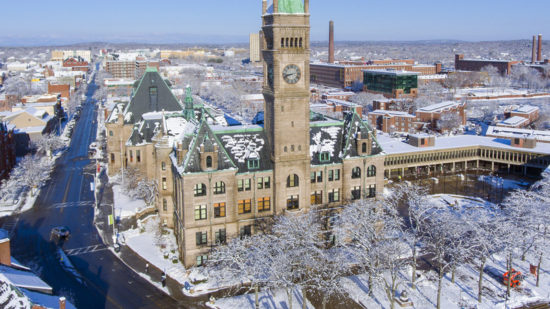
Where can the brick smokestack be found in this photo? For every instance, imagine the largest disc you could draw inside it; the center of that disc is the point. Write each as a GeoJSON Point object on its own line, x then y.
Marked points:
{"type": "Point", "coordinates": [62, 302]}
{"type": "Point", "coordinates": [539, 52]}
{"type": "Point", "coordinates": [331, 42]}
{"type": "Point", "coordinates": [533, 53]}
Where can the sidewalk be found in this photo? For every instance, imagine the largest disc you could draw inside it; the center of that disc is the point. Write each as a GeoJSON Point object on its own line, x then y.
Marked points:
{"type": "Point", "coordinates": [134, 260]}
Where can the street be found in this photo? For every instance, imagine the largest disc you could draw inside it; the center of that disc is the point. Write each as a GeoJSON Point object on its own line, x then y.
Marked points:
{"type": "Point", "coordinates": [99, 279]}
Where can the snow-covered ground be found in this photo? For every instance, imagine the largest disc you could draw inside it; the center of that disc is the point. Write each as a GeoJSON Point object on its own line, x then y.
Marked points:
{"type": "Point", "coordinates": [461, 294]}
{"type": "Point", "coordinates": [507, 184]}
{"type": "Point", "coordinates": [125, 206]}
{"type": "Point", "coordinates": [158, 248]}
{"type": "Point", "coordinates": [267, 299]}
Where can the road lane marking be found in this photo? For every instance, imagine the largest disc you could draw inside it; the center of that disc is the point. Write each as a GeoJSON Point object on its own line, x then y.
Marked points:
{"type": "Point", "coordinates": [71, 204]}
{"type": "Point", "coordinates": [85, 250]}
{"type": "Point", "coordinates": [67, 188]}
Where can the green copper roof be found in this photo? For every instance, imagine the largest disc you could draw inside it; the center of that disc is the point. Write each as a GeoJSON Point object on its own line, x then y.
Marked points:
{"type": "Point", "coordinates": [291, 6]}
{"type": "Point", "coordinates": [151, 69]}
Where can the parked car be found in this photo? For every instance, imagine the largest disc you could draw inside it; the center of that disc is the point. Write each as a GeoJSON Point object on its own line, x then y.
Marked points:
{"type": "Point", "coordinates": [60, 233]}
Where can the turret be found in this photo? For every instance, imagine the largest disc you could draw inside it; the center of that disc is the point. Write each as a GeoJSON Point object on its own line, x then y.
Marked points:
{"type": "Point", "coordinates": [189, 109]}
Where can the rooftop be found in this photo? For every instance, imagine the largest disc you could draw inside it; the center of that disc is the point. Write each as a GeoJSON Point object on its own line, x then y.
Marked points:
{"type": "Point", "coordinates": [393, 146]}
{"type": "Point", "coordinates": [514, 121]}
{"type": "Point", "coordinates": [392, 72]}
{"type": "Point", "coordinates": [391, 113]}
{"type": "Point", "coordinates": [438, 107]}
{"type": "Point", "coordinates": [527, 109]}
{"type": "Point", "coordinates": [516, 132]}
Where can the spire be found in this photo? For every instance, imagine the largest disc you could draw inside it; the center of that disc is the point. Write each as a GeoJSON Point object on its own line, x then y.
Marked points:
{"type": "Point", "coordinates": [189, 109]}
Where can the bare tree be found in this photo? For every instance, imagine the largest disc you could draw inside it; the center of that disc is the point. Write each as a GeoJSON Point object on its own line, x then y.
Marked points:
{"type": "Point", "coordinates": [246, 258]}
{"type": "Point", "coordinates": [49, 144]}
{"type": "Point", "coordinates": [415, 200]}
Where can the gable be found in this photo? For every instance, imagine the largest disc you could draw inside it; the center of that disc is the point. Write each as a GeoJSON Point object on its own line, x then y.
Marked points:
{"type": "Point", "coordinates": [152, 94]}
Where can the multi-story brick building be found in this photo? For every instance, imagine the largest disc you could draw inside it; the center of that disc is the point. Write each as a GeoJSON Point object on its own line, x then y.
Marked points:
{"type": "Point", "coordinates": [130, 69]}
{"type": "Point", "coordinates": [344, 73]}
{"type": "Point", "coordinates": [503, 66]}
{"type": "Point", "coordinates": [531, 113]}
{"type": "Point", "coordinates": [7, 150]}
{"type": "Point", "coordinates": [432, 113]}
{"type": "Point", "coordinates": [392, 121]}
{"type": "Point", "coordinates": [60, 89]}
{"type": "Point", "coordinates": [76, 64]}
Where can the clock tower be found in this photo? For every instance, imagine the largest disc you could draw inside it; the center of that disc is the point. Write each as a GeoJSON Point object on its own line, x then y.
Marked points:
{"type": "Point", "coordinates": [286, 53]}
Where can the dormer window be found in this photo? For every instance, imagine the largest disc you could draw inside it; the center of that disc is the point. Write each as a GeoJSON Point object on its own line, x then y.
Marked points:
{"type": "Point", "coordinates": [153, 98]}
{"type": "Point", "coordinates": [253, 164]}
{"type": "Point", "coordinates": [324, 156]}
{"type": "Point", "coordinates": [209, 162]}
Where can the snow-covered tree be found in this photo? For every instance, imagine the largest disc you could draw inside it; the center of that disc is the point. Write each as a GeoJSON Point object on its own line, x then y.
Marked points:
{"type": "Point", "coordinates": [416, 201]}
{"type": "Point", "coordinates": [484, 240]}
{"type": "Point", "coordinates": [49, 144]}
{"type": "Point", "coordinates": [246, 258]}
{"type": "Point", "coordinates": [147, 190]}
{"type": "Point", "coordinates": [449, 121]}
{"type": "Point", "coordinates": [299, 240]}
{"type": "Point", "coordinates": [357, 232]}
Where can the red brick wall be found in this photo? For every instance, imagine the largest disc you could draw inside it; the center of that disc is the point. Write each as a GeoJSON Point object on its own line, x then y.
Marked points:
{"type": "Point", "coordinates": [64, 89]}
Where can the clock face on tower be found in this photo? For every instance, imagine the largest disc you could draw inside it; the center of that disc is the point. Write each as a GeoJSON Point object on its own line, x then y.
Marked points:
{"type": "Point", "coordinates": [292, 74]}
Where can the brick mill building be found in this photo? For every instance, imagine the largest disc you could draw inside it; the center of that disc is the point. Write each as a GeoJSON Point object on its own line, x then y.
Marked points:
{"type": "Point", "coordinates": [503, 66]}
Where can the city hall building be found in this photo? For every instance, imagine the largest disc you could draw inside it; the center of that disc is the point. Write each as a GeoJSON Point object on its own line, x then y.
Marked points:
{"type": "Point", "coordinates": [218, 181]}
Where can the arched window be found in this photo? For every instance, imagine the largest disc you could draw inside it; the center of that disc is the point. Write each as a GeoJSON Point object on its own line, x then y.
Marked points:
{"type": "Point", "coordinates": [291, 42]}
{"type": "Point", "coordinates": [286, 149]}
{"type": "Point", "coordinates": [300, 42]}
{"type": "Point", "coordinates": [292, 181]}
{"type": "Point", "coordinates": [356, 172]}
{"type": "Point", "coordinates": [209, 162]}
{"type": "Point", "coordinates": [295, 42]}
{"type": "Point", "coordinates": [287, 41]}
{"type": "Point", "coordinates": [282, 42]}
{"type": "Point", "coordinates": [200, 189]}
{"type": "Point", "coordinates": [364, 147]}
{"type": "Point", "coordinates": [371, 171]}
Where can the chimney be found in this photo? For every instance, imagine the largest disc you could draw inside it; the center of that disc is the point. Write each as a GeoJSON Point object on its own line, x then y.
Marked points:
{"type": "Point", "coordinates": [275, 6]}
{"type": "Point", "coordinates": [62, 302]}
{"type": "Point", "coordinates": [533, 53]}
{"type": "Point", "coordinates": [331, 42]}
{"type": "Point", "coordinates": [264, 7]}
{"type": "Point", "coordinates": [539, 52]}
{"type": "Point", "coordinates": [306, 6]}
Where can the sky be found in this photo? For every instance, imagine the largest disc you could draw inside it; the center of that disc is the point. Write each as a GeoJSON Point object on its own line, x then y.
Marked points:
{"type": "Point", "coordinates": [230, 21]}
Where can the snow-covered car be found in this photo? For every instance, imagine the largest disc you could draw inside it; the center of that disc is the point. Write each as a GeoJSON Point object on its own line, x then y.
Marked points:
{"type": "Point", "coordinates": [60, 232]}
{"type": "Point", "coordinates": [93, 146]}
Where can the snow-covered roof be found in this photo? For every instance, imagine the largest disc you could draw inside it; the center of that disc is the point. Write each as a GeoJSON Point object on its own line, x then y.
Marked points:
{"type": "Point", "coordinates": [438, 107]}
{"type": "Point", "coordinates": [539, 135]}
{"type": "Point", "coordinates": [514, 121]}
{"type": "Point", "coordinates": [25, 279]}
{"type": "Point", "coordinates": [391, 113]}
{"type": "Point", "coordinates": [396, 146]}
{"type": "Point", "coordinates": [392, 72]}
{"type": "Point", "coordinates": [526, 109]}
